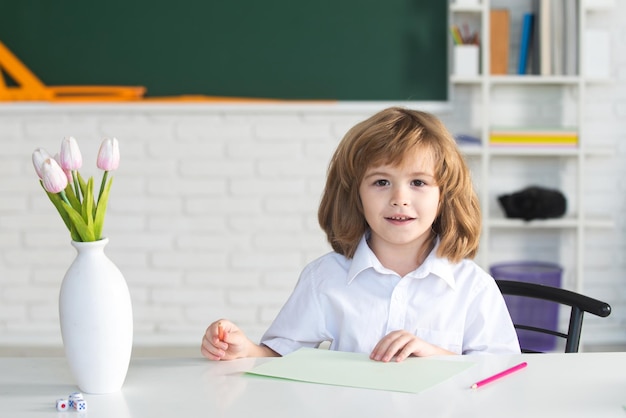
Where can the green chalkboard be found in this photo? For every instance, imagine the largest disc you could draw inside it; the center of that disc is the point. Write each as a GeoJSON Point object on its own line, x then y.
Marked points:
{"type": "Point", "coordinates": [363, 50]}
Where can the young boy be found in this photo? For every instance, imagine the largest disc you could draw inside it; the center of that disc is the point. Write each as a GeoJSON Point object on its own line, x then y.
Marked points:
{"type": "Point", "coordinates": [402, 217]}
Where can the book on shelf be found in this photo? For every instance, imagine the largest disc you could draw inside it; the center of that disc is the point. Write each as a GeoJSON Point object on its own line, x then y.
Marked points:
{"type": "Point", "coordinates": [545, 41]}
{"type": "Point", "coordinates": [534, 47]}
{"type": "Point", "coordinates": [499, 45]}
{"type": "Point", "coordinates": [526, 42]}
{"type": "Point", "coordinates": [557, 34]}
{"type": "Point", "coordinates": [571, 38]}
{"type": "Point", "coordinates": [550, 137]}
{"type": "Point", "coordinates": [554, 49]}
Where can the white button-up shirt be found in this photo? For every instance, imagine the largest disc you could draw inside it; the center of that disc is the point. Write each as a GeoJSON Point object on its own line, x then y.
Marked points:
{"type": "Point", "coordinates": [354, 303]}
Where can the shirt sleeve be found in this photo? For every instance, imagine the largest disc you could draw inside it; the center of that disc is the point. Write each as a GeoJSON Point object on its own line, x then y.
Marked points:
{"type": "Point", "coordinates": [489, 328]}
{"type": "Point", "coordinates": [300, 322]}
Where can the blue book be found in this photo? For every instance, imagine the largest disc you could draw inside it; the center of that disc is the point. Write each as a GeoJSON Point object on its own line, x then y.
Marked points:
{"type": "Point", "coordinates": [527, 30]}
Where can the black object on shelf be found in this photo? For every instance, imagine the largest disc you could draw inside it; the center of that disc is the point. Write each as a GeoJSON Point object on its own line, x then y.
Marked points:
{"type": "Point", "coordinates": [533, 202]}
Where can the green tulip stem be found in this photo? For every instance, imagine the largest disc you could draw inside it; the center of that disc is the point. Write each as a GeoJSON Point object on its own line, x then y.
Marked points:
{"type": "Point", "coordinates": [64, 197]}
{"type": "Point", "coordinates": [102, 184]}
{"type": "Point", "coordinates": [76, 186]}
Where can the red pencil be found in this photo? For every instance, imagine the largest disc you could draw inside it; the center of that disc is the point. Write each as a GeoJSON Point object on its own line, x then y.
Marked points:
{"type": "Point", "coordinates": [499, 375]}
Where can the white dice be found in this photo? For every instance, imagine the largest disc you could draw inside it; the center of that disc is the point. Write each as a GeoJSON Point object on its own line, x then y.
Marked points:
{"type": "Point", "coordinates": [75, 396]}
{"type": "Point", "coordinates": [62, 404]}
{"type": "Point", "coordinates": [75, 401]}
{"type": "Point", "coordinates": [80, 405]}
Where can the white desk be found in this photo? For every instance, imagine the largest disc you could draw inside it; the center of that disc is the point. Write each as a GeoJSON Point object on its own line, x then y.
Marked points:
{"type": "Point", "coordinates": [590, 385]}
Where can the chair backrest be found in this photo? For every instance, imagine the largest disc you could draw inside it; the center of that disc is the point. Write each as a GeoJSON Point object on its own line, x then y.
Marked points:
{"type": "Point", "coordinates": [579, 304]}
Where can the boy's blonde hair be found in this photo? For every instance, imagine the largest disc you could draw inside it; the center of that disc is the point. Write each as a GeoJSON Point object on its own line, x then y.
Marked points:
{"type": "Point", "coordinates": [386, 138]}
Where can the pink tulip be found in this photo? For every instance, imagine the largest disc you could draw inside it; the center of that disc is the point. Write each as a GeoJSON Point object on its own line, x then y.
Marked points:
{"type": "Point", "coordinates": [53, 177]}
{"type": "Point", "coordinates": [109, 155]}
{"type": "Point", "coordinates": [68, 173]}
{"type": "Point", "coordinates": [70, 157]}
{"type": "Point", "coordinates": [39, 156]}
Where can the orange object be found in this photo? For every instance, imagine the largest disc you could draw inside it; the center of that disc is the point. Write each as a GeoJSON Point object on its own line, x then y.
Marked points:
{"type": "Point", "coordinates": [233, 99]}
{"type": "Point", "coordinates": [499, 47]}
{"type": "Point", "coordinates": [201, 98]}
{"type": "Point", "coordinates": [30, 88]}
{"type": "Point", "coordinates": [220, 332]}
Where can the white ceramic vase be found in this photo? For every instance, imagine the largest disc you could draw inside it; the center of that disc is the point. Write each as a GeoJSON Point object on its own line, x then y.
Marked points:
{"type": "Point", "coordinates": [96, 317]}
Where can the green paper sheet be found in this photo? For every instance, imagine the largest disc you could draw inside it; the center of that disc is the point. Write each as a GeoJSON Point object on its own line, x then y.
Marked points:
{"type": "Point", "coordinates": [357, 370]}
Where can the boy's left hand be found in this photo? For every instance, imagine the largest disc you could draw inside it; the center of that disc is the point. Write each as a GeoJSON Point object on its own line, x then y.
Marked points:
{"type": "Point", "coordinates": [402, 344]}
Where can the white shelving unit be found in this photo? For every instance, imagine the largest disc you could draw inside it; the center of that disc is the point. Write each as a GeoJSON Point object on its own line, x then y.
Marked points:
{"type": "Point", "coordinates": [519, 101]}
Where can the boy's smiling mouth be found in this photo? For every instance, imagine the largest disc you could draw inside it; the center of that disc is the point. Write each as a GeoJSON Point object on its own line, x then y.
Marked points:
{"type": "Point", "coordinates": [399, 218]}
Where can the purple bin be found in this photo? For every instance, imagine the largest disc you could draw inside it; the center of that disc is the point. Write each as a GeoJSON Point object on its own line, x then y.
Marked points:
{"type": "Point", "coordinates": [525, 311]}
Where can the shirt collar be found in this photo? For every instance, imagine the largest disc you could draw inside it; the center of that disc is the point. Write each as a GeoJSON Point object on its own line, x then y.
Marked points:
{"type": "Point", "coordinates": [364, 258]}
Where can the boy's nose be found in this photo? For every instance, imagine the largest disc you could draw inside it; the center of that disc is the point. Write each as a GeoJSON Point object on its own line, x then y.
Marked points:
{"type": "Point", "coordinates": [399, 203]}
{"type": "Point", "coordinates": [399, 198]}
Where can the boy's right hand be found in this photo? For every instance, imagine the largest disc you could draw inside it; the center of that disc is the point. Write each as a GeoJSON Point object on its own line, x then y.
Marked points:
{"type": "Point", "coordinates": [223, 340]}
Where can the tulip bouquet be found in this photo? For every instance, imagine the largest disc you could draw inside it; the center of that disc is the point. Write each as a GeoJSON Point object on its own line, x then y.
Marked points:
{"type": "Point", "coordinates": [72, 196]}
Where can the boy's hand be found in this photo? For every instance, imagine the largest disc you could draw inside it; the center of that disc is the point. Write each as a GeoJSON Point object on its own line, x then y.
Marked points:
{"type": "Point", "coordinates": [402, 344]}
{"type": "Point", "coordinates": [224, 341]}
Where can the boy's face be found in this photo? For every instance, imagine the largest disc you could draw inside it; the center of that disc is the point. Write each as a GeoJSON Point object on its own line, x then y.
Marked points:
{"type": "Point", "coordinates": [400, 203]}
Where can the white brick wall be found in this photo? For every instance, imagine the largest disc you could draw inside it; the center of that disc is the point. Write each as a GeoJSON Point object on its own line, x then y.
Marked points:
{"type": "Point", "coordinates": [213, 210]}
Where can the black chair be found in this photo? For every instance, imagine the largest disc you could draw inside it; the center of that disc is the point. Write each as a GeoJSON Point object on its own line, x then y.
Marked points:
{"type": "Point", "coordinates": [578, 303]}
